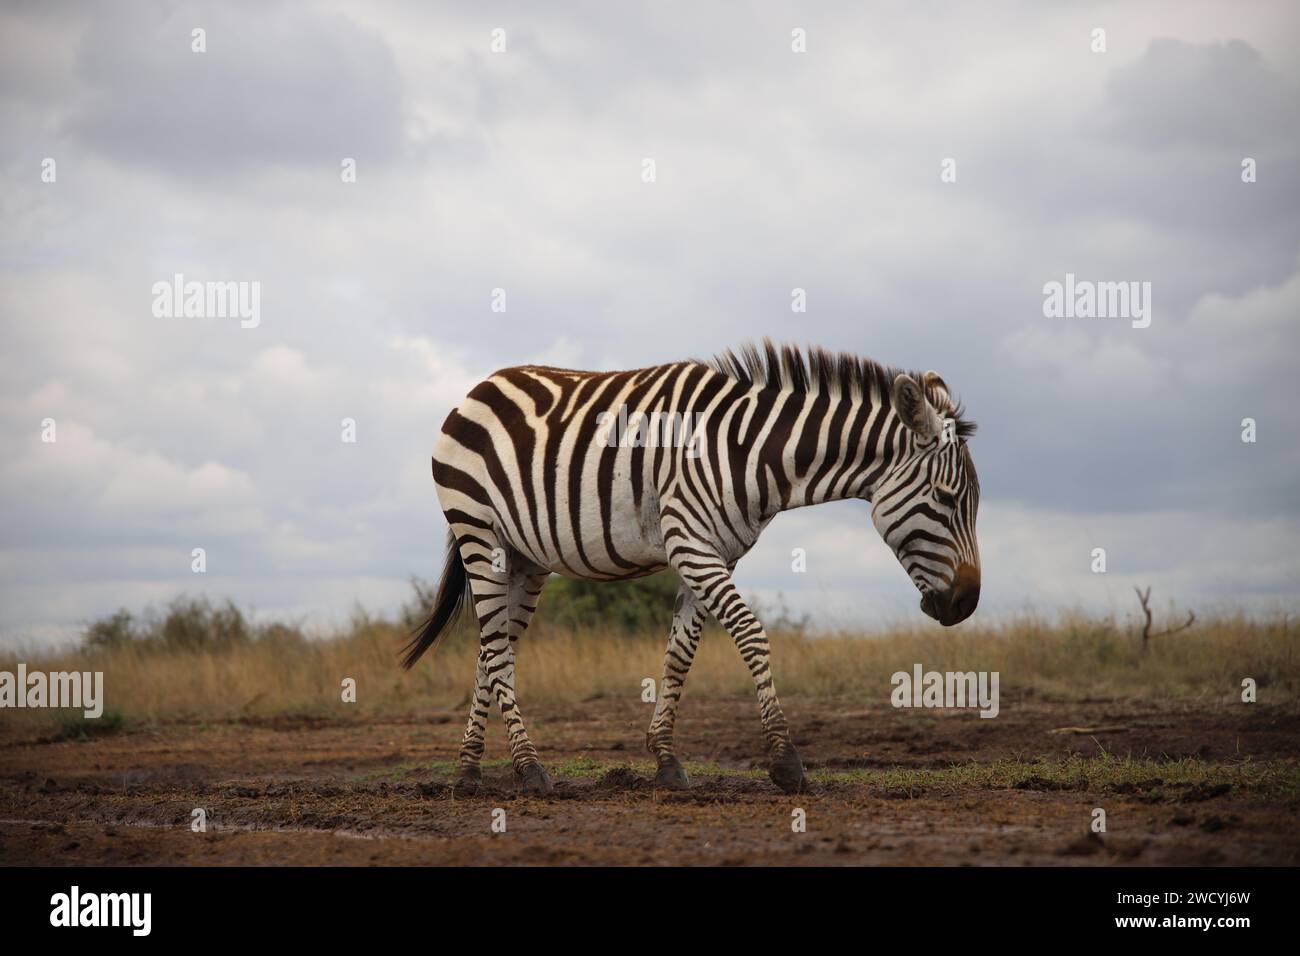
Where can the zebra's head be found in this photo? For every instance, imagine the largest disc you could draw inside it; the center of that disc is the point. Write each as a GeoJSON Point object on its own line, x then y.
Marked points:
{"type": "Point", "coordinates": [924, 506]}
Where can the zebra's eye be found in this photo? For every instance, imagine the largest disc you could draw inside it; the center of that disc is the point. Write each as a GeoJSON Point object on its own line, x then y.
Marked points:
{"type": "Point", "coordinates": [945, 497]}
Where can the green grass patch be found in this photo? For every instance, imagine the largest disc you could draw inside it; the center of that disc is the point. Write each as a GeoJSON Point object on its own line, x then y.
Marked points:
{"type": "Point", "coordinates": [581, 766]}
{"type": "Point", "coordinates": [78, 726]}
{"type": "Point", "coordinates": [1149, 779]}
{"type": "Point", "coordinates": [412, 768]}
{"type": "Point", "coordinates": [1103, 774]}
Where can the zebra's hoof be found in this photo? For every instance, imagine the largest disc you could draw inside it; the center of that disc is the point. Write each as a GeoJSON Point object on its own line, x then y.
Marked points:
{"type": "Point", "coordinates": [671, 776]}
{"type": "Point", "coordinates": [468, 782]}
{"type": "Point", "coordinates": [535, 780]}
{"type": "Point", "coordinates": [787, 772]}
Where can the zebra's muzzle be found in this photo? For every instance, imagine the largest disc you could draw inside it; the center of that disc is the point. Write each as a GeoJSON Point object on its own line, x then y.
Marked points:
{"type": "Point", "coordinates": [958, 602]}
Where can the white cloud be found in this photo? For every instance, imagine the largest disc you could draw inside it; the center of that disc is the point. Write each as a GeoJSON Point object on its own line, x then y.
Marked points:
{"type": "Point", "coordinates": [1246, 336]}
{"type": "Point", "coordinates": [522, 172]}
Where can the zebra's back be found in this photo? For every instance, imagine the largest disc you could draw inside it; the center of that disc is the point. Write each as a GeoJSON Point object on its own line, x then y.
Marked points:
{"type": "Point", "coordinates": [569, 467]}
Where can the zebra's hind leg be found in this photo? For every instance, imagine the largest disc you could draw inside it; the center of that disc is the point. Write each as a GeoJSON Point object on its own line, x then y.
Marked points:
{"type": "Point", "coordinates": [471, 746]}
{"type": "Point", "coordinates": [710, 578]}
{"type": "Point", "coordinates": [688, 616]}
{"type": "Point", "coordinates": [526, 583]}
{"type": "Point", "coordinates": [505, 588]}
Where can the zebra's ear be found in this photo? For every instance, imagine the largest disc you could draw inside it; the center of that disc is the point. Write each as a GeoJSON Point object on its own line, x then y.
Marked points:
{"type": "Point", "coordinates": [917, 413]}
{"type": "Point", "coordinates": [936, 389]}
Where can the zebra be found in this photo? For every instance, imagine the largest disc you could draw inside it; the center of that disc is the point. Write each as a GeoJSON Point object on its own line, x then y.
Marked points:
{"type": "Point", "coordinates": [612, 475]}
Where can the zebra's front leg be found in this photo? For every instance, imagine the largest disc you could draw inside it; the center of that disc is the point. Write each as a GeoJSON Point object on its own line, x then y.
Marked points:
{"type": "Point", "coordinates": [710, 580]}
{"type": "Point", "coordinates": [684, 637]}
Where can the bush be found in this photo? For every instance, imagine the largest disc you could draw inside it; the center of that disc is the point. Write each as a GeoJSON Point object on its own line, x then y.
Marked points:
{"type": "Point", "coordinates": [636, 605]}
{"type": "Point", "coordinates": [116, 630]}
{"type": "Point", "coordinates": [189, 624]}
{"type": "Point", "coordinates": [80, 727]}
{"type": "Point", "coordinates": [624, 606]}
{"type": "Point", "coordinates": [639, 604]}
{"type": "Point", "coordinates": [194, 624]}
{"type": "Point", "coordinates": [281, 635]}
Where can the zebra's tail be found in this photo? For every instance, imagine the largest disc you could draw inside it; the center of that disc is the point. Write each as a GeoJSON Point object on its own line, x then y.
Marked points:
{"type": "Point", "coordinates": [447, 606]}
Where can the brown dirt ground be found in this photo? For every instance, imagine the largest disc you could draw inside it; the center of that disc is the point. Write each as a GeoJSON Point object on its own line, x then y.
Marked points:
{"type": "Point", "coordinates": [374, 791]}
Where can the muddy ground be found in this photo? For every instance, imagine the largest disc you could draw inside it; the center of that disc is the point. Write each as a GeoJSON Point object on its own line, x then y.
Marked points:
{"type": "Point", "coordinates": [892, 787]}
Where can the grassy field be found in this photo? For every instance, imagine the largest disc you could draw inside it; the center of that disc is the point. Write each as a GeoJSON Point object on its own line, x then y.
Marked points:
{"type": "Point", "coordinates": [195, 660]}
{"type": "Point", "coordinates": [1191, 782]}
{"type": "Point", "coordinates": [205, 708]}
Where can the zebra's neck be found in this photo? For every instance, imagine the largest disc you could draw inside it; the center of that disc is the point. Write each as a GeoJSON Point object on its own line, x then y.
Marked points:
{"type": "Point", "coordinates": [840, 447]}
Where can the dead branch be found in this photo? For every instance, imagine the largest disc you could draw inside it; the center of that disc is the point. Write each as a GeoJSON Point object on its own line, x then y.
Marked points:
{"type": "Point", "coordinates": [1146, 609]}
{"type": "Point", "coordinates": [1145, 598]}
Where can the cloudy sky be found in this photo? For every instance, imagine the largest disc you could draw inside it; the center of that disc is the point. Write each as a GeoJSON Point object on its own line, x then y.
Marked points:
{"type": "Point", "coordinates": [522, 170]}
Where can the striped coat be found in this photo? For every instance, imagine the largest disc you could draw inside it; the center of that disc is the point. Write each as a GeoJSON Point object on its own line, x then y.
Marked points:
{"type": "Point", "coordinates": [610, 475]}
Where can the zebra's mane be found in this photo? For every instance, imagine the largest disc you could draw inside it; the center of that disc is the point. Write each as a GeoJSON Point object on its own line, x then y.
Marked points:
{"type": "Point", "coordinates": [813, 370]}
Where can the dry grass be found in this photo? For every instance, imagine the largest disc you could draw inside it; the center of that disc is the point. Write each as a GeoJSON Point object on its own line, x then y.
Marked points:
{"type": "Point", "coordinates": [1073, 657]}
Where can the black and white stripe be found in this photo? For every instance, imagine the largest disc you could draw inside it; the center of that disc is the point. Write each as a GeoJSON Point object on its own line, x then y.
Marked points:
{"type": "Point", "coordinates": [532, 483]}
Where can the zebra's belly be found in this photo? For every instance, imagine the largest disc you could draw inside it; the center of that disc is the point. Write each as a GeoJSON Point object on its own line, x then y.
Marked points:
{"type": "Point", "coordinates": [591, 542]}
{"type": "Point", "coordinates": [596, 562]}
